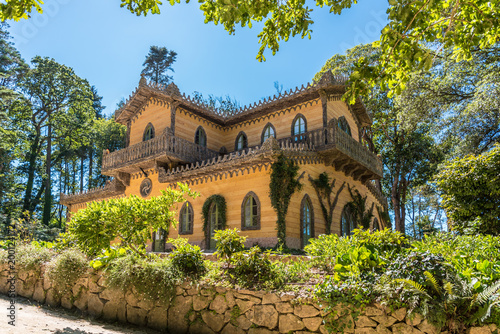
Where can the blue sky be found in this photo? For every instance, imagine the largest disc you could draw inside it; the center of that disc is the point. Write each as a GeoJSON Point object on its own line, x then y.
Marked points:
{"type": "Point", "coordinates": [107, 45]}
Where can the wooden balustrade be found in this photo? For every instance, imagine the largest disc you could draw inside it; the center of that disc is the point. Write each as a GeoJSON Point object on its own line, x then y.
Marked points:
{"type": "Point", "coordinates": [164, 145]}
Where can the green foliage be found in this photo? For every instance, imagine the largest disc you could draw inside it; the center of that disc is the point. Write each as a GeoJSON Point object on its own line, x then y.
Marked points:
{"type": "Point", "coordinates": [283, 184]}
{"type": "Point", "coordinates": [253, 268]}
{"type": "Point", "coordinates": [153, 277]}
{"type": "Point", "coordinates": [470, 190]}
{"type": "Point", "coordinates": [65, 269]}
{"type": "Point", "coordinates": [128, 219]}
{"type": "Point", "coordinates": [229, 242]}
{"type": "Point", "coordinates": [158, 61]}
{"type": "Point", "coordinates": [186, 258]}
{"type": "Point", "coordinates": [221, 204]}
{"type": "Point", "coordinates": [30, 257]}
{"type": "Point", "coordinates": [108, 255]}
{"type": "Point", "coordinates": [324, 191]}
{"type": "Point", "coordinates": [362, 215]}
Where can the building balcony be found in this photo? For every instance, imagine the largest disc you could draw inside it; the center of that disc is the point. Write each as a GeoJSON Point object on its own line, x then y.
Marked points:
{"type": "Point", "coordinates": [164, 149]}
{"type": "Point", "coordinates": [342, 151]}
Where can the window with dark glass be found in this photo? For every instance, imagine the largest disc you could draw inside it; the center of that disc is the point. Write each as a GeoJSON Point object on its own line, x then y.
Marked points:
{"type": "Point", "coordinates": [250, 212]}
{"type": "Point", "coordinates": [375, 226]}
{"type": "Point", "coordinates": [306, 221]}
{"type": "Point", "coordinates": [299, 126]}
{"type": "Point", "coordinates": [241, 142]}
{"type": "Point", "coordinates": [215, 220]}
{"type": "Point", "coordinates": [268, 133]}
{"type": "Point", "coordinates": [347, 221]}
{"type": "Point", "coordinates": [344, 125]}
{"type": "Point", "coordinates": [200, 138]}
{"type": "Point", "coordinates": [149, 132]}
{"type": "Point", "coordinates": [186, 219]}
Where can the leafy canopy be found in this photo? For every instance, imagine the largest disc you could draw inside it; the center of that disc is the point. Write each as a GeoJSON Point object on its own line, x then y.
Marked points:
{"type": "Point", "coordinates": [464, 25]}
{"type": "Point", "coordinates": [129, 220]}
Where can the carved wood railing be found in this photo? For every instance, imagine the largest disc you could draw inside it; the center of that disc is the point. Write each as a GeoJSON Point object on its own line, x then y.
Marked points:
{"type": "Point", "coordinates": [166, 144]}
{"type": "Point", "coordinates": [334, 138]}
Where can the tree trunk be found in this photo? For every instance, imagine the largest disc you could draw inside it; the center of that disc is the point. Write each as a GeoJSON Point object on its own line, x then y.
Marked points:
{"type": "Point", "coordinates": [82, 160]}
{"type": "Point", "coordinates": [27, 202]}
{"type": "Point", "coordinates": [48, 191]}
{"type": "Point", "coordinates": [91, 162]}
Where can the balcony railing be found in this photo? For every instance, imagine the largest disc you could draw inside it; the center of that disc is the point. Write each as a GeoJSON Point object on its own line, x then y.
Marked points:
{"type": "Point", "coordinates": [164, 145]}
{"type": "Point", "coordinates": [333, 138]}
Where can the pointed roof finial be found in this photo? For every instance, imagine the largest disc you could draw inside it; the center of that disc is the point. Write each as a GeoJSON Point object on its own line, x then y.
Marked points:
{"type": "Point", "coordinates": [143, 81]}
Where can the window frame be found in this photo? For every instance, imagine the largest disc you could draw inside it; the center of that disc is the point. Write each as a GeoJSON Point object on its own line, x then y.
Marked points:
{"type": "Point", "coordinates": [245, 141]}
{"type": "Point", "coordinates": [257, 216]}
{"type": "Point", "coordinates": [187, 205]}
{"type": "Point", "coordinates": [306, 200]}
{"type": "Point", "coordinates": [341, 123]}
{"type": "Point", "coordinates": [346, 212]}
{"type": "Point", "coordinates": [149, 126]}
{"type": "Point", "coordinates": [200, 130]}
{"type": "Point", "coordinates": [267, 126]}
{"type": "Point", "coordinates": [295, 120]}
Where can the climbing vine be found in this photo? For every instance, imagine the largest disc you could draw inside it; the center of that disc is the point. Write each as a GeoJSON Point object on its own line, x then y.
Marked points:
{"type": "Point", "coordinates": [284, 183]}
{"type": "Point", "coordinates": [221, 203]}
{"type": "Point", "coordinates": [324, 191]}
{"type": "Point", "coordinates": [362, 215]}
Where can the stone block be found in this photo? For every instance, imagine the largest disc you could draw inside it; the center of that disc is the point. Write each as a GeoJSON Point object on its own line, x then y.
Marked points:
{"type": "Point", "coordinates": [414, 319]}
{"type": "Point", "coordinates": [400, 314]}
{"type": "Point", "coordinates": [287, 297]}
{"type": "Point", "coordinates": [219, 304]}
{"type": "Point", "coordinates": [177, 312]}
{"type": "Point", "coordinates": [270, 298]}
{"type": "Point", "coordinates": [284, 307]}
{"type": "Point", "coordinates": [25, 289]}
{"type": "Point", "coordinates": [146, 304]}
{"type": "Point", "coordinates": [136, 315]}
{"type": "Point", "coordinates": [115, 309]}
{"type": "Point", "coordinates": [200, 302]}
{"type": "Point", "coordinates": [230, 329]}
{"type": "Point", "coordinates": [382, 330]}
{"type": "Point", "coordinates": [264, 316]}
{"type": "Point", "coordinates": [401, 328]}
{"type": "Point", "coordinates": [373, 311]}
{"type": "Point", "coordinates": [244, 305]}
{"type": "Point", "coordinates": [312, 324]}
{"type": "Point", "coordinates": [242, 322]}
{"type": "Point", "coordinates": [305, 311]}
{"type": "Point", "coordinates": [290, 322]}
{"type": "Point", "coordinates": [52, 298]}
{"type": "Point", "coordinates": [213, 320]}
{"type": "Point", "coordinates": [131, 298]}
{"type": "Point", "coordinates": [479, 330]}
{"type": "Point", "coordinates": [384, 320]}
{"type": "Point", "coordinates": [95, 305]}
{"type": "Point", "coordinates": [230, 299]}
{"type": "Point", "coordinates": [346, 323]}
{"type": "Point", "coordinates": [112, 294]}
{"type": "Point", "coordinates": [253, 299]}
{"type": "Point", "coordinates": [364, 321]}
{"type": "Point", "coordinates": [82, 300]}
{"type": "Point", "coordinates": [261, 331]}
{"type": "Point", "coordinates": [199, 327]}
{"type": "Point", "coordinates": [39, 293]}
{"type": "Point", "coordinates": [93, 286]}
{"type": "Point", "coordinates": [365, 330]}
{"type": "Point", "coordinates": [157, 318]}
{"type": "Point", "coordinates": [66, 301]}
{"type": "Point", "coordinates": [257, 294]}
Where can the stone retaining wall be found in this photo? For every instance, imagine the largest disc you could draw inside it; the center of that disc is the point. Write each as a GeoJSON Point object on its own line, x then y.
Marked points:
{"type": "Point", "coordinates": [207, 310]}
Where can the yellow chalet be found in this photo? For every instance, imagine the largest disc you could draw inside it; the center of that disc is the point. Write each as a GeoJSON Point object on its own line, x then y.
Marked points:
{"type": "Point", "coordinates": [172, 138]}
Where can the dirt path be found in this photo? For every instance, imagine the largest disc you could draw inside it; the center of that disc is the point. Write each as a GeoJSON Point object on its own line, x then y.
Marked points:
{"type": "Point", "coordinates": [33, 318]}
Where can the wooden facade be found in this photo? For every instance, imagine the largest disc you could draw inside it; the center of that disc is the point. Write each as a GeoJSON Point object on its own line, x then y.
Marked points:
{"type": "Point", "coordinates": [171, 138]}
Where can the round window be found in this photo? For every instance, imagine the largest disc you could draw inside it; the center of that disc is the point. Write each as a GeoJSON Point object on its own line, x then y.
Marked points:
{"type": "Point", "coordinates": [146, 186]}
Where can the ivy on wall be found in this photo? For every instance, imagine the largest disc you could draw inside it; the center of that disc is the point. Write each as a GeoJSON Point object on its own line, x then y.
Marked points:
{"type": "Point", "coordinates": [221, 203]}
{"type": "Point", "coordinates": [362, 215]}
{"type": "Point", "coordinates": [284, 183]}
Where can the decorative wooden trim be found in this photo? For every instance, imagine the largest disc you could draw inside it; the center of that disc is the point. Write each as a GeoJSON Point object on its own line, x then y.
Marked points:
{"type": "Point", "coordinates": [241, 133]}
{"type": "Point", "coordinates": [324, 105]}
{"type": "Point", "coordinates": [127, 137]}
{"type": "Point", "coordinates": [293, 124]}
{"type": "Point", "coordinates": [305, 199]}
{"type": "Point", "coordinates": [264, 129]}
{"type": "Point", "coordinates": [191, 211]}
{"type": "Point", "coordinates": [256, 199]}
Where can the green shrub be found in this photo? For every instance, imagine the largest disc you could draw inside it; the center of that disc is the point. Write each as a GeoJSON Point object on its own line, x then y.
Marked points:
{"type": "Point", "coordinates": [228, 243]}
{"type": "Point", "coordinates": [31, 257]}
{"type": "Point", "coordinates": [186, 258]}
{"type": "Point", "coordinates": [66, 268]}
{"type": "Point", "coordinates": [153, 277]}
{"type": "Point", "coordinates": [253, 268]}
{"type": "Point", "coordinates": [382, 242]}
{"type": "Point", "coordinates": [109, 255]}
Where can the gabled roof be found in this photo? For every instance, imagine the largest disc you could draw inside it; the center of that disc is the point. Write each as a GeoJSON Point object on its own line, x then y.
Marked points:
{"type": "Point", "coordinates": [329, 85]}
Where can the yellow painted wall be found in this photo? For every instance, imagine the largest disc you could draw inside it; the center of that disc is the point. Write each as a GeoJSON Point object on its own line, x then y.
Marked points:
{"type": "Point", "coordinates": [336, 109]}
{"type": "Point", "coordinates": [156, 113]}
{"type": "Point", "coordinates": [187, 123]}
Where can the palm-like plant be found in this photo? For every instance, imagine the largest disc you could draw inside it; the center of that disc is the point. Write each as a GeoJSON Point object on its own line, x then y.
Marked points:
{"type": "Point", "coordinates": [158, 61]}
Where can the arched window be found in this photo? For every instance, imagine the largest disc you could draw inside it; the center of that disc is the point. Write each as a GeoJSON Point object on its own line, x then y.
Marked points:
{"type": "Point", "coordinates": [306, 221]}
{"type": "Point", "coordinates": [268, 132]}
{"type": "Point", "coordinates": [186, 219]}
{"type": "Point", "coordinates": [215, 220]}
{"type": "Point", "coordinates": [375, 226]}
{"type": "Point", "coordinates": [250, 212]}
{"type": "Point", "coordinates": [299, 125]}
{"type": "Point", "coordinates": [200, 138]}
{"type": "Point", "coordinates": [346, 221]}
{"type": "Point", "coordinates": [241, 141]}
{"type": "Point", "coordinates": [149, 132]}
{"type": "Point", "coordinates": [344, 125]}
